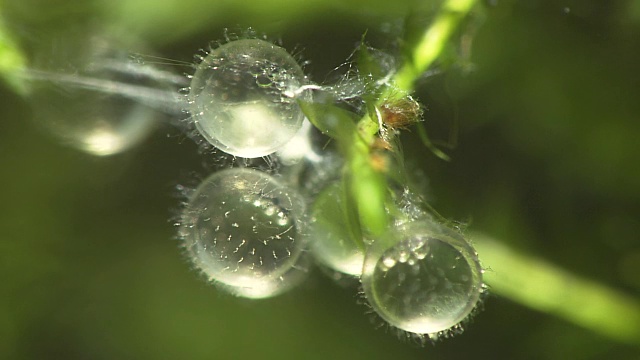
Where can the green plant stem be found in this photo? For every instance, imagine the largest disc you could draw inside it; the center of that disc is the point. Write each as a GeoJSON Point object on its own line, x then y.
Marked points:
{"type": "Point", "coordinates": [526, 280]}
{"type": "Point", "coordinates": [544, 287]}
{"type": "Point", "coordinates": [431, 44]}
{"type": "Point", "coordinates": [369, 186]}
{"type": "Point", "coordinates": [433, 41]}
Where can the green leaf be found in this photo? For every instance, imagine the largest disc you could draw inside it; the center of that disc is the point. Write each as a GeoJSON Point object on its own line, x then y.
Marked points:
{"type": "Point", "coordinates": [334, 211]}
{"type": "Point", "coordinates": [422, 132]}
{"type": "Point", "coordinates": [367, 186]}
{"type": "Point", "coordinates": [373, 65]}
{"type": "Point", "coordinates": [368, 64]}
{"type": "Point", "coordinates": [12, 62]}
{"type": "Point", "coordinates": [331, 120]}
{"type": "Point", "coordinates": [369, 189]}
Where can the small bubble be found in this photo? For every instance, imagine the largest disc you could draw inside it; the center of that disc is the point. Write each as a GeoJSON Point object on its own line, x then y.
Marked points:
{"type": "Point", "coordinates": [403, 256]}
{"type": "Point", "coordinates": [388, 262]}
{"type": "Point", "coordinates": [421, 252]}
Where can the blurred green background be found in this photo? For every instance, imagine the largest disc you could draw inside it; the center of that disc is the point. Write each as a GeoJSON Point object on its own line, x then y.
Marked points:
{"type": "Point", "coordinates": [546, 166]}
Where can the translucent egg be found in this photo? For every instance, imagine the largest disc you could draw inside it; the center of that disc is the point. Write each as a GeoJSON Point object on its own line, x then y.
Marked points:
{"type": "Point", "coordinates": [245, 231]}
{"type": "Point", "coordinates": [269, 286]}
{"type": "Point", "coordinates": [237, 97]}
{"type": "Point", "coordinates": [422, 277]}
{"type": "Point", "coordinates": [331, 242]}
{"type": "Point", "coordinates": [90, 96]}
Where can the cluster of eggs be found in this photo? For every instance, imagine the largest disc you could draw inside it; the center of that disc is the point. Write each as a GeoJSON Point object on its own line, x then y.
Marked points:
{"type": "Point", "coordinates": [420, 276]}
{"type": "Point", "coordinates": [254, 233]}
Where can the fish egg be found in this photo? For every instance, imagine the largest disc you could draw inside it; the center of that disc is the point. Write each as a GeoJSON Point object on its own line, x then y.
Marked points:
{"type": "Point", "coordinates": [422, 277]}
{"type": "Point", "coordinates": [239, 98]}
{"type": "Point", "coordinates": [245, 231]}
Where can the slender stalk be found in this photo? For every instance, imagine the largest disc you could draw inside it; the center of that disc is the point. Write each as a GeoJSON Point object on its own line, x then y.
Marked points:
{"type": "Point", "coordinates": [365, 181]}
{"type": "Point", "coordinates": [542, 286]}
{"type": "Point", "coordinates": [433, 42]}
{"type": "Point", "coordinates": [430, 46]}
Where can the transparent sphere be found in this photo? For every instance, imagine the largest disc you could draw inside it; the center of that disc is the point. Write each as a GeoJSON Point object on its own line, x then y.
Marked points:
{"type": "Point", "coordinates": [270, 286]}
{"type": "Point", "coordinates": [422, 278]}
{"type": "Point", "coordinates": [81, 96]}
{"type": "Point", "coordinates": [244, 230]}
{"type": "Point", "coordinates": [237, 97]}
{"type": "Point", "coordinates": [331, 243]}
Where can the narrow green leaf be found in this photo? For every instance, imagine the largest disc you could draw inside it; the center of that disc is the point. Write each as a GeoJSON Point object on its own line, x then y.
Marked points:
{"type": "Point", "coordinates": [368, 64]}
{"type": "Point", "coordinates": [542, 286]}
{"type": "Point", "coordinates": [12, 62]}
{"type": "Point", "coordinates": [334, 211]}
{"type": "Point", "coordinates": [369, 189]}
{"type": "Point", "coordinates": [330, 120]}
{"type": "Point", "coordinates": [422, 132]}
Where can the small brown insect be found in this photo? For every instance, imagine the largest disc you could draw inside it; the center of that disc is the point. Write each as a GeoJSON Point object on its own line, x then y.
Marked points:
{"type": "Point", "coordinates": [400, 113]}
